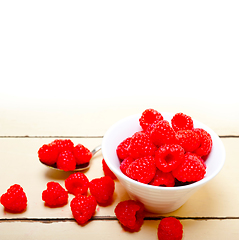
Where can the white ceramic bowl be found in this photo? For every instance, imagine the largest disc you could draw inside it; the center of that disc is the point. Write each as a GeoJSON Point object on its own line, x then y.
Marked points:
{"type": "Point", "coordinates": [157, 199]}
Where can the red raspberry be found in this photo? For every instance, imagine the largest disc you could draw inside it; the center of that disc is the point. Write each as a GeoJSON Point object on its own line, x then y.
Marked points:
{"type": "Point", "coordinates": [150, 128]}
{"type": "Point", "coordinates": [190, 170]}
{"type": "Point", "coordinates": [125, 164]}
{"type": "Point", "coordinates": [181, 121]}
{"type": "Point", "coordinates": [202, 161]}
{"type": "Point", "coordinates": [163, 179]}
{"type": "Point", "coordinates": [66, 161]}
{"type": "Point", "coordinates": [200, 158]}
{"type": "Point", "coordinates": [63, 144]}
{"type": "Point", "coordinates": [162, 133]}
{"type": "Point", "coordinates": [55, 195]}
{"type": "Point", "coordinates": [148, 117]}
{"type": "Point", "coordinates": [81, 154]}
{"type": "Point", "coordinates": [122, 149]}
{"type": "Point", "coordinates": [102, 189]}
{"type": "Point", "coordinates": [205, 142]}
{"type": "Point", "coordinates": [107, 170]}
{"type": "Point", "coordinates": [14, 200]}
{"type": "Point", "coordinates": [141, 146]}
{"type": "Point", "coordinates": [77, 183]}
{"type": "Point", "coordinates": [130, 214]}
{"type": "Point", "coordinates": [142, 169]}
{"type": "Point", "coordinates": [188, 139]}
{"type": "Point", "coordinates": [170, 228]}
{"type": "Point", "coordinates": [168, 157]}
{"type": "Point", "coordinates": [48, 154]}
{"type": "Point", "coordinates": [83, 208]}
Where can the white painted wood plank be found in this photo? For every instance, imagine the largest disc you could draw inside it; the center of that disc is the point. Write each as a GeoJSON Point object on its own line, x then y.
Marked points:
{"type": "Point", "coordinates": [19, 164]}
{"type": "Point", "coordinates": [193, 230]}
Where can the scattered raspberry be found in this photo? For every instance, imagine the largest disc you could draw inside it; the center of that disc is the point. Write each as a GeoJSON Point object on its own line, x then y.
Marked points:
{"type": "Point", "coordinates": [170, 228]}
{"type": "Point", "coordinates": [66, 161]}
{"type": "Point", "coordinates": [125, 164]}
{"type": "Point", "coordinates": [107, 170]}
{"type": "Point", "coordinates": [81, 154]}
{"type": "Point", "coordinates": [83, 208]}
{"type": "Point", "coordinates": [77, 183]}
{"type": "Point", "coordinates": [190, 170]}
{"type": "Point", "coordinates": [55, 195]}
{"type": "Point", "coordinates": [188, 139]}
{"type": "Point", "coordinates": [148, 117]}
{"type": "Point", "coordinates": [168, 157]}
{"type": "Point", "coordinates": [102, 189]}
{"type": "Point", "coordinates": [142, 169]}
{"type": "Point", "coordinates": [48, 154]}
{"type": "Point", "coordinates": [122, 149]}
{"type": "Point", "coordinates": [181, 121]}
{"type": "Point", "coordinates": [130, 214]}
{"type": "Point", "coordinates": [63, 144]}
{"type": "Point", "coordinates": [163, 133]}
{"type": "Point", "coordinates": [14, 200]}
{"type": "Point", "coordinates": [165, 179]}
{"type": "Point", "coordinates": [205, 142]}
{"type": "Point", "coordinates": [141, 146]}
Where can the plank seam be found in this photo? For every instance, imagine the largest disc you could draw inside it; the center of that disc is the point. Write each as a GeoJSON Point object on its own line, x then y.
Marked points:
{"type": "Point", "coordinates": [99, 136]}
{"type": "Point", "coordinates": [109, 218]}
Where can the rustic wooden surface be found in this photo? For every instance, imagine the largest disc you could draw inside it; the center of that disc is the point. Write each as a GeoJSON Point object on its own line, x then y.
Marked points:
{"type": "Point", "coordinates": [211, 212]}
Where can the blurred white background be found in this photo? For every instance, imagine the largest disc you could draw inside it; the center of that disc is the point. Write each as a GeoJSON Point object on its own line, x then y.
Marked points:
{"type": "Point", "coordinates": [119, 53]}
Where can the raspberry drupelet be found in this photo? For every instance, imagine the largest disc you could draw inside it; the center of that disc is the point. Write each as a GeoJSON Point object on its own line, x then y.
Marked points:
{"type": "Point", "coordinates": [48, 153]}
{"type": "Point", "coordinates": [165, 179]}
{"type": "Point", "coordinates": [205, 146]}
{"type": "Point", "coordinates": [181, 121]}
{"type": "Point", "coordinates": [190, 170]}
{"type": "Point", "coordinates": [188, 139]}
{"type": "Point", "coordinates": [83, 208]}
{"type": "Point", "coordinates": [149, 117]}
{"type": "Point", "coordinates": [55, 195]}
{"type": "Point", "coordinates": [170, 228]}
{"type": "Point", "coordinates": [122, 149]}
{"type": "Point", "coordinates": [77, 183]}
{"type": "Point", "coordinates": [168, 157]}
{"type": "Point", "coordinates": [125, 164]}
{"type": "Point", "coordinates": [107, 170]}
{"type": "Point", "coordinates": [141, 146]}
{"type": "Point", "coordinates": [66, 161]}
{"type": "Point", "coordinates": [15, 199]}
{"type": "Point", "coordinates": [63, 144]}
{"type": "Point", "coordinates": [102, 189]}
{"type": "Point", "coordinates": [82, 154]}
{"type": "Point", "coordinates": [130, 214]}
{"type": "Point", "coordinates": [142, 169]}
{"type": "Point", "coordinates": [163, 133]}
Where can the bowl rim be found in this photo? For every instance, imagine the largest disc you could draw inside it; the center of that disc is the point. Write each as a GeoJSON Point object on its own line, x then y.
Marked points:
{"type": "Point", "coordinates": [119, 174]}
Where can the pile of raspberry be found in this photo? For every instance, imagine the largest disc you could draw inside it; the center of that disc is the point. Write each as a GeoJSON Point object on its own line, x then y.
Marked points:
{"type": "Point", "coordinates": [62, 153]}
{"type": "Point", "coordinates": [165, 153]}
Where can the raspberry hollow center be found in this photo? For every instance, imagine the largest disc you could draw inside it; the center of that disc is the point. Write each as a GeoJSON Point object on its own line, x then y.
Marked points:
{"type": "Point", "coordinates": [169, 158]}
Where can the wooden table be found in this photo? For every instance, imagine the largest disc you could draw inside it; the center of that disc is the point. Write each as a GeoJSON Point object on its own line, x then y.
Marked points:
{"type": "Point", "coordinates": [211, 213]}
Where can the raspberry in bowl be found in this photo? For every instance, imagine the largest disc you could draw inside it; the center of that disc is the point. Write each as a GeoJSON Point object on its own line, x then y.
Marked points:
{"type": "Point", "coordinates": [163, 164]}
